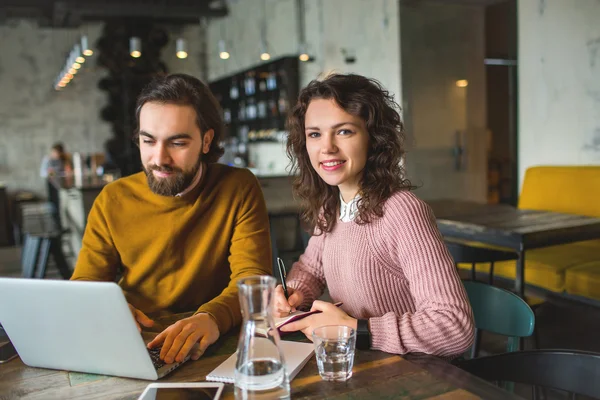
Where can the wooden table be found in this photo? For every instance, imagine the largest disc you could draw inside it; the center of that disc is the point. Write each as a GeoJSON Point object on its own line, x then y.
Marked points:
{"type": "Point", "coordinates": [376, 375]}
{"type": "Point", "coordinates": [512, 228]}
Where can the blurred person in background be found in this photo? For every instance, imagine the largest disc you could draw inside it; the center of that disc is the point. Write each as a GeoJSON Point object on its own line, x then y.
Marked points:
{"type": "Point", "coordinates": [55, 164]}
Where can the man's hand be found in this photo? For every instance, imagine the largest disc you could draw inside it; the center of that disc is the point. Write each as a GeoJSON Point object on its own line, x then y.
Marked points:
{"type": "Point", "coordinates": [194, 334]}
{"type": "Point", "coordinates": [140, 318]}
{"type": "Point", "coordinates": [283, 307]}
{"type": "Point", "coordinates": [329, 315]}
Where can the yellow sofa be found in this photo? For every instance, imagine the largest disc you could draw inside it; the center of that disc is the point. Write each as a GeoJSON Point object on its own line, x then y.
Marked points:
{"type": "Point", "coordinates": [573, 268]}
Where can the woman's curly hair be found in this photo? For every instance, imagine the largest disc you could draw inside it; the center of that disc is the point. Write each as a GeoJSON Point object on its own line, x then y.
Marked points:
{"type": "Point", "coordinates": [383, 174]}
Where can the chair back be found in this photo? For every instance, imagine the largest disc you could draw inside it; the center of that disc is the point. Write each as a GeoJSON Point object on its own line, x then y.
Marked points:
{"type": "Point", "coordinates": [565, 189]}
{"type": "Point", "coordinates": [469, 253]}
{"type": "Point", "coordinates": [576, 372]}
{"type": "Point", "coordinates": [500, 311]}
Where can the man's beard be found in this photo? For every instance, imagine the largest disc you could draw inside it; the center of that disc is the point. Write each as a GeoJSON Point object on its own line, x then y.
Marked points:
{"type": "Point", "coordinates": [174, 184]}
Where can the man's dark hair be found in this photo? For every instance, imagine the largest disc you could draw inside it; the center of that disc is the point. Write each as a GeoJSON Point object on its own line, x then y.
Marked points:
{"type": "Point", "coordinates": [185, 90]}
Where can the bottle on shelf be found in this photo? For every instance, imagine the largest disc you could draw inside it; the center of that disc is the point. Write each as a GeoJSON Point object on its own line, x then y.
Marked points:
{"type": "Point", "coordinates": [234, 91]}
{"type": "Point", "coordinates": [272, 81]}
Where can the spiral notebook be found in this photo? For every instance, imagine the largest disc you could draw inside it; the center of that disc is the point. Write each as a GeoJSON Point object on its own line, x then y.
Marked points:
{"type": "Point", "coordinates": [295, 355]}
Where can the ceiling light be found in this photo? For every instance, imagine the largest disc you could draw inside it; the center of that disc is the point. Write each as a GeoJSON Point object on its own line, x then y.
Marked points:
{"type": "Point", "coordinates": [135, 47]}
{"type": "Point", "coordinates": [264, 52]}
{"type": "Point", "coordinates": [181, 48]}
{"type": "Point", "coordinates": [87, 51]}
{"type": "Point", "coordinates": [303, 56]}
{"type": "Point", "coordinates": [223, 53]}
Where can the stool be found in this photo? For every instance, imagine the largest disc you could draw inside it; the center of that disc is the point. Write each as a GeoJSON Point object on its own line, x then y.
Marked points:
{"type": "Point", "coordinates": [36, 251]}
{"type": "Point", "coordinates": [42, 237]}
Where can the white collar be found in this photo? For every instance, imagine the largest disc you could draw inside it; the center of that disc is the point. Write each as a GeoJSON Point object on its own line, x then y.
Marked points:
{"type": "Point", "coordinates": [349, 211]}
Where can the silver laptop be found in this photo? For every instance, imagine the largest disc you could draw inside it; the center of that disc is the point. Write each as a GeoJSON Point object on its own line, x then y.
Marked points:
{"type": "Point", "coordinates": [76, 326]}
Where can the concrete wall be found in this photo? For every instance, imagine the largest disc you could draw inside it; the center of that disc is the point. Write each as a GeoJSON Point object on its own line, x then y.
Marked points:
{"type": "Point", "coordinates": [369, 29]}
{"type": "Point", "coordinates": [33, 116]}
{"type": "Point", "coordinates": [559, 82]}
{"type": "Point", "coordinates": [441, 44]}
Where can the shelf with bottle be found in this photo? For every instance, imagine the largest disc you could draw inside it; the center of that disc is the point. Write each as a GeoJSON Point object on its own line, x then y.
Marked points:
{"type": "Point", "coordinates": [259, 98]}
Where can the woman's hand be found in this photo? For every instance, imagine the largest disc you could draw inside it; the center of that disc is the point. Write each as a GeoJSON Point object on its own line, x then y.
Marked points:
{"type": "Point", "coordinates": [283, 307]}
{"type": "Point", "coordinates": [329, 315]}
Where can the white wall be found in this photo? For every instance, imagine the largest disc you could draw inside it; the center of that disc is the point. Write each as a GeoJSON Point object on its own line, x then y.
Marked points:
{"type": "Point", "coordinates": [369, 28]}
{"type": "Point", "coordinates": [559, 82]}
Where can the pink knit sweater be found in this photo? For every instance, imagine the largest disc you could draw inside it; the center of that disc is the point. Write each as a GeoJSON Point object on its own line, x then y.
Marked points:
{"type": "Point", "coordinates": [397, 272]}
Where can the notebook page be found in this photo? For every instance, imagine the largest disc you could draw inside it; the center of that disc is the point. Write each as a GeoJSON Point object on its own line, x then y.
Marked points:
{"type": "Point", "coordinates": [295, 354]}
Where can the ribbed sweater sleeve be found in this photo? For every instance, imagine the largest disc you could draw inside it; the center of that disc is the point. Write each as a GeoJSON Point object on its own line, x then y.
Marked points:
{"type": "Point", "coordinates": [442, 323]}
{"type": "Point", "coordinates": [307, 274]}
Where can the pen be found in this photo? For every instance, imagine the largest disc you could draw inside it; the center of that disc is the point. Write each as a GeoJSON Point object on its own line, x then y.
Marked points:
{"type": "Point", "coordinates": [282, 276]}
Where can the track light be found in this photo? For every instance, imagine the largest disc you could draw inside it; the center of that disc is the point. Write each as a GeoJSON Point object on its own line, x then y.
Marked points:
{"type": "Point", "coordinates": [72, 64]}
{"type": "Point", "coordinates": [181, 48]}
{"type": "Point", "coordinates": [135, 47]}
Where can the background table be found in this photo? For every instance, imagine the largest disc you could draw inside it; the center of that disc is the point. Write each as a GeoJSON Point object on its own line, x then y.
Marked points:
{"type": "Point", "coordinates": [512, 228]}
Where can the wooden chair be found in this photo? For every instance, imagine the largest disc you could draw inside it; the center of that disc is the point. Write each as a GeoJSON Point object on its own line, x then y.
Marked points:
{"type": "Point", "coordinates": [499, 311]}
{"type": "Point", "coordinates": [573, 371]}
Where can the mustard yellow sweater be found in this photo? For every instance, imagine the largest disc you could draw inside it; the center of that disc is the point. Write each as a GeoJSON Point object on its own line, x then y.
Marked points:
{"type": "Point", "coordinates": [179, 253]}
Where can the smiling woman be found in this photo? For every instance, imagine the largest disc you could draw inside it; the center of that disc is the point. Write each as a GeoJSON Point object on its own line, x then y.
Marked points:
{"type": "Point", "coordinates": [375, 245]}
{"type": "Point", "coordinates": [337, 144]}
{"type": "Point", "coordinates": [346, 129]}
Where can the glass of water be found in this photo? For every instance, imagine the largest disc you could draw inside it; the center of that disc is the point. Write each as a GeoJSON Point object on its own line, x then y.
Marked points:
{"type": "Point", "coordinates": [334, 349]}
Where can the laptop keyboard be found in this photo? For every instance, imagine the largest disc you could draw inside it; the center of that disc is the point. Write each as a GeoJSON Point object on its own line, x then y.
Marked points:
{"type": "Point", "coordinates": [155, 357]}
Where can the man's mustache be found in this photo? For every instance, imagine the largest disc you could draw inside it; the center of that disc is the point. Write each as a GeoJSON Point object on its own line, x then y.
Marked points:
{"type": "Point", "coordinates": [164, 168]}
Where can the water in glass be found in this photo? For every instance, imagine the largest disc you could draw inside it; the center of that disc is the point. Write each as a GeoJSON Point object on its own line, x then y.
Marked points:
{"type": "Point", "coordinates": [334, 350]}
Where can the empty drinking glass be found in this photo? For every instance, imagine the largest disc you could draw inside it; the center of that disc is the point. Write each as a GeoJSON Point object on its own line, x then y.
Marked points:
{"type": "Point", "coordinates": [334, 349]}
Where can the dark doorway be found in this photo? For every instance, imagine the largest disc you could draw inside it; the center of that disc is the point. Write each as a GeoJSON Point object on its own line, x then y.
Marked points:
{"type": "Point", "coordinates": [501, 75]}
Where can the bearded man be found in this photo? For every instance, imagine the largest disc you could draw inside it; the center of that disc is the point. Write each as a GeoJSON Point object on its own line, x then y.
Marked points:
{"type": "Point", "coordinates": [182, 232]}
